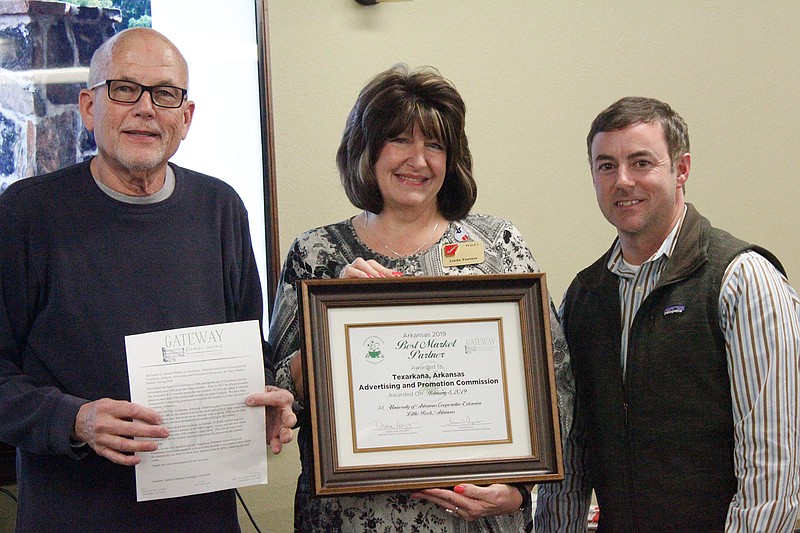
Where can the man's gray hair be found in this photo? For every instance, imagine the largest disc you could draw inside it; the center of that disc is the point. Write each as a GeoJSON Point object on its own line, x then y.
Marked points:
{"type": "Point", "coordinates": [101, 59]}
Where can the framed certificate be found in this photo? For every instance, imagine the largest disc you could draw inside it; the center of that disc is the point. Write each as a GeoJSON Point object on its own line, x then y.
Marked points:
{"type": "Point", "coordinates": [425, 382]}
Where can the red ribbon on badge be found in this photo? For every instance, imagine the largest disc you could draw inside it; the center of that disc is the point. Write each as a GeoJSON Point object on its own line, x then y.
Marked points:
{"type": "Point", "coordinates": [450, 249]}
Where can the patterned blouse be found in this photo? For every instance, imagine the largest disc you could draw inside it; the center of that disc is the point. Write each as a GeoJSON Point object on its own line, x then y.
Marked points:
{"type": "Point", "coordinates": [322, 253]}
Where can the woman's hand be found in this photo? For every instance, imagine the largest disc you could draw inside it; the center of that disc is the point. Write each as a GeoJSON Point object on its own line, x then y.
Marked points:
{"type": "Point", "coordinates": [472, 502]}
{"type": "Point", "coordinates": [361, 268]}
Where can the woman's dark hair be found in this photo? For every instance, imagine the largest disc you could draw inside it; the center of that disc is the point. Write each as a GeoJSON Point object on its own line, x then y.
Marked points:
{"type": "Point", "coordinates": [390, 104]}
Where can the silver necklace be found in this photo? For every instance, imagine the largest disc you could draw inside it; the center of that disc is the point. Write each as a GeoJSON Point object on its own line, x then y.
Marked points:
{"type": "Point", "coordinates": [426, 241]}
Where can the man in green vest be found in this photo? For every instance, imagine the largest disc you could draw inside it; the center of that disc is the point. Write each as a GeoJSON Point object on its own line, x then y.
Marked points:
{"type": "Point", "coordinates": [685, 345]}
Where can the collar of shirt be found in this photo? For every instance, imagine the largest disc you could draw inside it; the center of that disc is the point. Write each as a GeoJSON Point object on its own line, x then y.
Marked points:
{"type": "Point", "coordinates": [617, 264]}
{"type": "Point", "coordinates": [165, 192]}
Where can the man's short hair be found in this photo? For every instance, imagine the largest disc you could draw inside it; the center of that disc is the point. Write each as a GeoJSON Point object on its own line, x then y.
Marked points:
{"type": "Point", "coordinates": [637, 109]}
{"type": "Point", "coordinates": [101, 59]}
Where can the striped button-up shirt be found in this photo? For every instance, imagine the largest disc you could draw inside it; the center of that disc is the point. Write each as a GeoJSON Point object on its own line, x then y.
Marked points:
{"type": "Point", "coordinates": [759, 314]}
{"type": "Point", "coordinates": [636, 282]}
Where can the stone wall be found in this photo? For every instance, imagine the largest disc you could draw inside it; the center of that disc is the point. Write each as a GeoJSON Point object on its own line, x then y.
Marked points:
{"type": "Point", "coordinates": [45, 50]}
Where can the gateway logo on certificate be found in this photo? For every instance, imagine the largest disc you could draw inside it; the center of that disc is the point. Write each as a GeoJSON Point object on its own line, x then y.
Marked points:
{"type": "Point", "coordinates": [427, 392]}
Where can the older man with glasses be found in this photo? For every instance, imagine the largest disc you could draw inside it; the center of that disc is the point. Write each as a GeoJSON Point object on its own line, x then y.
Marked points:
{"type": "Point", "coordinates": [121, 244]}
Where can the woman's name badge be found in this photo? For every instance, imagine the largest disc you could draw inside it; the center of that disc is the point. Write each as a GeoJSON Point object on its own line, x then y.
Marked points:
{"type": "Point", "coordinates": [462, 253]}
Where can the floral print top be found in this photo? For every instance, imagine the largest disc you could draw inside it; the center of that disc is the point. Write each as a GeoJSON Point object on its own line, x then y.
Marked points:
{"type": "Point", "coordinates": [322, 253]}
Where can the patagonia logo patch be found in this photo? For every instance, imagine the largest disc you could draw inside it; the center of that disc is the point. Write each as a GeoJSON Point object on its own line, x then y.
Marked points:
{"type": "Point", "coordinates": [674, 309]}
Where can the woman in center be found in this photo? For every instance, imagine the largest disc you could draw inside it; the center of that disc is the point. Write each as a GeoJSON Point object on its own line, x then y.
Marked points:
{"type": "Point", "coordinates": [404, 161]}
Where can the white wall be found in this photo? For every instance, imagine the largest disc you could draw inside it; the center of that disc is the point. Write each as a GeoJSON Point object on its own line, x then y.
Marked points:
{"type": "Point", "coordinates": [224, 140]}
{"type": "Point", "coordinates": [534, 74]}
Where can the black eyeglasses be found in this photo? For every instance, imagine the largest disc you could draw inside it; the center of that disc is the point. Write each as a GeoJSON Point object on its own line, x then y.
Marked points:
{"type": "Point", "coordinates": [129, 92]}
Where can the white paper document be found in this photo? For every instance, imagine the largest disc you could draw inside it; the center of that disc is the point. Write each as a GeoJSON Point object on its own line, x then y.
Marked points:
{"type": "Point", "coordinates": [197, 379]}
